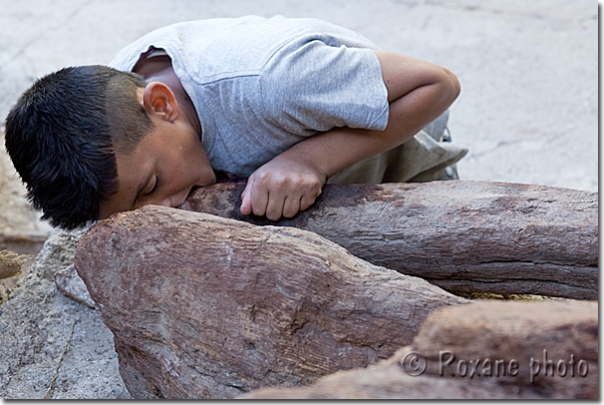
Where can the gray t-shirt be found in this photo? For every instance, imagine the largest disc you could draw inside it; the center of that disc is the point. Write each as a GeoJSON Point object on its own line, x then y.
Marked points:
{"type": "Point", "coordinates": [261, 85]}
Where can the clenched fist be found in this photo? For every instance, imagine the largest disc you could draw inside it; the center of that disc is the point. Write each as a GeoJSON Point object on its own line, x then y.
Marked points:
{"type": "Point", "coordinates": [281, 188]}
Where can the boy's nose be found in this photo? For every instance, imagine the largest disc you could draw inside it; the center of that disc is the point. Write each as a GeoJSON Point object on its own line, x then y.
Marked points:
{"type": "Point", "coordinates": [176, 199]}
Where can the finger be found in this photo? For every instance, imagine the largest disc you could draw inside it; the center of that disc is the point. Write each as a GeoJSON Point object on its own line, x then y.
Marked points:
{"type": "Point", "coordinates": [246, 201]}
{"type": "Point", "coordinates": [308, 200]}
{"type": "Point", "coordinates": [291, 206]}
{"type": "Point", "coordinates": [258, 198]}
{"type": "Point", "coordinates": [274, 209]}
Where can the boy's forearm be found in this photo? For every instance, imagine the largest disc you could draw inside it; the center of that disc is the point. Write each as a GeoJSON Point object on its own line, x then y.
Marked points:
{"type": "Point", "coordinates": [419, 95]}
{"type": "Point", "coordinates": [418, 92]}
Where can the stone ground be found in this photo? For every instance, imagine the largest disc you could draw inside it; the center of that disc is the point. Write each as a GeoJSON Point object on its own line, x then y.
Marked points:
{"type": "Point", "coordinates": [528, 112]}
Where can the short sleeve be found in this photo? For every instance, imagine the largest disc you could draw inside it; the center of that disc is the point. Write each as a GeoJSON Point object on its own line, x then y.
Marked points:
{"type": "Point", "coordinates": [310, 86]}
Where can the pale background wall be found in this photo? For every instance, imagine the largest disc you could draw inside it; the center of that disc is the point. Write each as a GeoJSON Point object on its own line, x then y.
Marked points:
{"type": "Point", "coordinates": [529, 69]}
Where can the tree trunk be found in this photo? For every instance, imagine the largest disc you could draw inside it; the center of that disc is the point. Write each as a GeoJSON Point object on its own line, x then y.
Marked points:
{"type": "Point", "coordinates": [488, 350]}
{"type": "Point", "coordinates": [207, 307]}
{"type": "Point", "coordinates": [463, 236]}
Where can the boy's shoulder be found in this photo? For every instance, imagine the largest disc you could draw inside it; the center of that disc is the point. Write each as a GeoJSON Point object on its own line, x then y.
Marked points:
{"type": "Point", "coordinates": [215, 44]}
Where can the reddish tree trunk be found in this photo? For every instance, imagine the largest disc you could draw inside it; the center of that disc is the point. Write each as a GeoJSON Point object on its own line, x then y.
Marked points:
{"type": "Point", "coordinates": [463, 236]}
{"type": "Point", "coordinates": [207, 307]}
{"type": "Point", "coordinates": [488, 350]}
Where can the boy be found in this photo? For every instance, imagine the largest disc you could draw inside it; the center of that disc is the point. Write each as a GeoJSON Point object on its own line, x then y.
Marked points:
{"type": "Point", "coordinates": [288, 103]}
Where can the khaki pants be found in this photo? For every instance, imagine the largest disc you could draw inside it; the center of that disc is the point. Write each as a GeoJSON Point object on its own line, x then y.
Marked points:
{"type": "Point", "coordinates": [420, 159]}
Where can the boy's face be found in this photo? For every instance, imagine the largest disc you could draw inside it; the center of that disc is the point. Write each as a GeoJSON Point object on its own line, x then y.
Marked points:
{"type": "Point", "coordinates": [163, 169]}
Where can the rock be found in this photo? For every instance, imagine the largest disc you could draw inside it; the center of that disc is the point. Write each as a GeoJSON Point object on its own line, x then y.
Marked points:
{"type": "Point", "coordinates": [51, 346]}
{"type": "Point", "coordinates": [71, 285]}
{"type": "Point", "coordinates": [10, 263]}
{"type": "Point", "coordinates": [17, 253]}
{"type": "Point", "coordinates": [207, 307]}
{"type": "Point", "coordinates": [488, 350]}
{"type": "Point", "coordinates": [464, 236]}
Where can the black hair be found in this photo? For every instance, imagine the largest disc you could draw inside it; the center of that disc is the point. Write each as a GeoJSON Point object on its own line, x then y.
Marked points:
{"type": "Point", "coordinates": [62, 136]}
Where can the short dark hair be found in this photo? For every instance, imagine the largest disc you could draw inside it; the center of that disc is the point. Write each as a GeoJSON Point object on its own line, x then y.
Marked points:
{"type": "Point", "coordinates": [62, 136]}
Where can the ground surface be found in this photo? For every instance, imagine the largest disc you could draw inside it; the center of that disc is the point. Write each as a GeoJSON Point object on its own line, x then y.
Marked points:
{"type": "Point", "coordinates": [528, 112]}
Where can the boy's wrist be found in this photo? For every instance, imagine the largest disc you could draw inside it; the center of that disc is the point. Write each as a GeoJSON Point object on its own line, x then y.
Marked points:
{"type": "Point", "coordinates": [297, 156]}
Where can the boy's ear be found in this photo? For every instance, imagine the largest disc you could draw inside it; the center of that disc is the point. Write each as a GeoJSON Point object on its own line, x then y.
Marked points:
{"type": "Point", "coordinates": [158, 100]}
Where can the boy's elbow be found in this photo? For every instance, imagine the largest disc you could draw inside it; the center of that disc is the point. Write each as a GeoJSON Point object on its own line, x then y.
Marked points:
{"type": "Point", "coordinates": [452, 85]}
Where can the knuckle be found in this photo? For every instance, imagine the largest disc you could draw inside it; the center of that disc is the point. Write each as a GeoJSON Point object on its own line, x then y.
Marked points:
{"type": "Point", "coordinates": [300, 181]}
{"type": "Point", "coordinates": [281, 182]}
{"type": "Point", "coordinates": [263, 177]}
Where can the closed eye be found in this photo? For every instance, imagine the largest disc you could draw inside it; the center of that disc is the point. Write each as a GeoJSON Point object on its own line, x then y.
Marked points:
{"type": "Point", "coordinates": [155, 186]}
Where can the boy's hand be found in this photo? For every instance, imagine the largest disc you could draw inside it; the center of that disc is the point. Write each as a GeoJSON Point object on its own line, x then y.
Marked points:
{"type": "Point", "coordinates": [418, 92]}
{"type": "Point", "coordinates": [281, 187]}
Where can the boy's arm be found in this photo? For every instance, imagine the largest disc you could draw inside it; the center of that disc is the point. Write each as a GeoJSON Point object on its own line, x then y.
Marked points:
{"type": "Point", "coordinates": [418, 92]}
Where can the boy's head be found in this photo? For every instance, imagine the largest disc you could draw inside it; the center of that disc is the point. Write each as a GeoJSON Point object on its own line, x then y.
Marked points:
{"type": "Point", "coordinates": [73, 132]}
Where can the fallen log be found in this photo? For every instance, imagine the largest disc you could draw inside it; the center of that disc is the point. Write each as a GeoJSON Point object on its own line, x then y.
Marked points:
{"type": "Point", "coordinates": [488, 350]}
{"type": "Point", "coordinates": [207, 307]}
{"type": "Point", "coordinates": [463, 236]}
